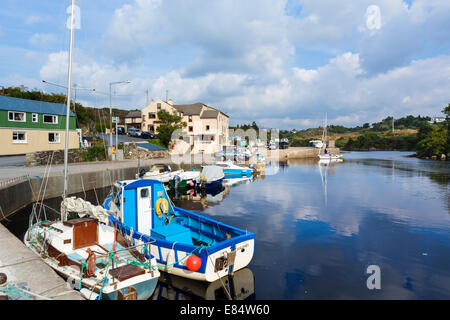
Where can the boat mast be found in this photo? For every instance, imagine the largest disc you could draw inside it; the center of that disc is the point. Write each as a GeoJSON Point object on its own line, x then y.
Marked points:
{"type": "Point", "coordinates": [69, 86]}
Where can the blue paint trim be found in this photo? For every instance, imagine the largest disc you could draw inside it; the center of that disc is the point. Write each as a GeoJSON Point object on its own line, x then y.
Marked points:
{"type": "Point", "coordinates": [141, 183]}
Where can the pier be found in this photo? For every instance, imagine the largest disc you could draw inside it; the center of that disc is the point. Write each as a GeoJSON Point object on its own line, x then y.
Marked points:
{"type": "Point", "coordinates": [27, 271]}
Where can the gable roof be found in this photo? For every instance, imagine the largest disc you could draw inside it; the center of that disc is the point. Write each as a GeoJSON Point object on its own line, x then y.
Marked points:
{"type": "Point", "coordinates": [34, 106]}
{"type": "Point", "coordinates": [189, 109]}
{"type": "Point", "coordinates": [133, 114]}
{"type": "Point", "coordinates": [209, 114]}
{"type": "Point", "coordinates": [196, 109]}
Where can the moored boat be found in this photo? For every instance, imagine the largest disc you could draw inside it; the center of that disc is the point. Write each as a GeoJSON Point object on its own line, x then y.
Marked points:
{"type": "Point", "coordinates": [95, 257]}
{"type": "Point", "coordinates": [211, 177]}
{"type": "Point", "coordinates": [229, 168]}
{"type": "Point", "coordinates": [185, 179]}
{"type": "Point", "coordinates": [185, 243]}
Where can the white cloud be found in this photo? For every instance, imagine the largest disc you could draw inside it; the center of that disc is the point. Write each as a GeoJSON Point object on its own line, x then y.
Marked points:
{"type": "Point", "coordinates": [240, 57]}
{"type": "Point", "coordinates": [42, 39]}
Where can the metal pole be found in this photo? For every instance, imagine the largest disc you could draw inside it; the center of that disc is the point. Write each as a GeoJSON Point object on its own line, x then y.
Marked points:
{"type": "Point", "coordinates": [116, 143]}
{"type": "Point", "coordinates": [69, 86]}
{"type": "Point", "coordinates": [110, 117]}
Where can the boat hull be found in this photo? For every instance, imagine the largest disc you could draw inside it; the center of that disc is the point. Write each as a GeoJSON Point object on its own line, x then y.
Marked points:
{"type": "Point", "coordinates": [172, 256]}
{"type": "Point", "coordinates": [234, 172]}
{"type": "Point", "coordinates": [144, 290]}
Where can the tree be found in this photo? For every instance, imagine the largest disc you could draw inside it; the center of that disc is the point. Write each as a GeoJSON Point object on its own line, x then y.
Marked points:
{"type": "Point", "coordinates": [169, 123]}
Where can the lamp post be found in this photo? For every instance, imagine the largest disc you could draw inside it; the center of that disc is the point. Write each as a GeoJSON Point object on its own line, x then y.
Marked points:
{"type": "Point", "coordinates": [110, 113]}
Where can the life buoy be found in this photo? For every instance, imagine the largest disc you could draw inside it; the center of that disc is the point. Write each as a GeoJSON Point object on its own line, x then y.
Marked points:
{"type": "Point", "coordinates": [161, 206]}
{"type": "Point", "coordinates": [92, 263]}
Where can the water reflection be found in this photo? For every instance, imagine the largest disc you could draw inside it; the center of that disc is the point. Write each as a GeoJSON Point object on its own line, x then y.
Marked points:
{"type": "Point", "coordinates": [239, 286]}
{"type": "Point", "coordinates": [318, 231]}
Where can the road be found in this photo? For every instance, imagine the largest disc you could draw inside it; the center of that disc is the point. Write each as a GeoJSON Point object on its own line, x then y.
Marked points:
{"type": "Point", "coordinates": [12, 161]}
{"type": "Point", "coordinates": [58, 169]}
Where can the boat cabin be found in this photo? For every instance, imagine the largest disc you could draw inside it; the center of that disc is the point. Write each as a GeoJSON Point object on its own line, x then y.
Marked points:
{"type": "Point", "coordinates": [144, 206]}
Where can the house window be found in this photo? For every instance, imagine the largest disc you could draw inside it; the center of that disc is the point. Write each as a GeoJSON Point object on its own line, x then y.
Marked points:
{"type": "Point", "coordinates": [207, 128]}
{"type": "Point", "coordinates": [143, 117]}
{"type": "Point", "coordinates": [190, 118]}
{"type": "Point", "coordinates": [50, 119]}
{"type": "Point", "coordinates": [34, 117]}
{"type": "Point", "coordinates": [152, 115]}
{"type": "Point", "coordinates": [17, 116]}
{"type": "Point", "coordinates": [53, 137]}
{"type": "Point", "coordinates": [191, 129]}
{"type": "Point", "coordinates": [19, 137]}
{"type": "Point", "coordinates": [158, 105]}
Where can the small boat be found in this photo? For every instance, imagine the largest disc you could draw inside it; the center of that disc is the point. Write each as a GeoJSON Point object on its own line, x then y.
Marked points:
{"type": "Point", "coordinates": [211, 177]}
{"type": "Point", "coordinates": [229, 168]}
{"type": "Point", "coordinates": [323, 153]}
{"type": "Point", "coordinates": [95, 257]}
{"type": "Point", "coordinates": [185, 179]}
{"type": "Point", "coordinates": [162, 173]}
{"type": "Point", "coordinates": [184, 243]}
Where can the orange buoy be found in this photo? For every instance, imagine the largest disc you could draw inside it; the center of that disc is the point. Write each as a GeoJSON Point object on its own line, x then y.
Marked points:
{"type": "Point", "coordinates": [193, 263]}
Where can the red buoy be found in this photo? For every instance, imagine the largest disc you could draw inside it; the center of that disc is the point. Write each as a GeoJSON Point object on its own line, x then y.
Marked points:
{"type": "Point", "coordinates": [193, 263]}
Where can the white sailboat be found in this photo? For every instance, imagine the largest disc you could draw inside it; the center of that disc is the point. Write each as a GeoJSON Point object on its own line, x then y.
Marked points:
{"type": "Point", "coordinates": [323, 154]}
{"type": "Point", "coordinates": [101, 262]}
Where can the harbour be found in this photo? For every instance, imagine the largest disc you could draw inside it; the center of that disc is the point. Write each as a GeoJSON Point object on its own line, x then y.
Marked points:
{"type": "Point", "coordinates": [322, 240]}
{"type": "Point", "coordinates": [247, 153]}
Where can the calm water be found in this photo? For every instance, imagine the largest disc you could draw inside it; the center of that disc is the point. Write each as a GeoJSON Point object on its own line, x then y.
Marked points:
{"type": "Point", "coordinates": [316, 234]}
{"type": "Point", "coordinates": [318, 228]}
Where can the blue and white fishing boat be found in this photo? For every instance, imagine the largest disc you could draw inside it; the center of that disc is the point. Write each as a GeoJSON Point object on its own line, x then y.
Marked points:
{"type": "Point", "coordinates": [230, 169]}
{"type": "Point", "coordinates": [184, 243]}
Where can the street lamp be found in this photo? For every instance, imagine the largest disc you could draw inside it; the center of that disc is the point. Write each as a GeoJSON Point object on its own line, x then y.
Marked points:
{"type": "Point", "coordinates": [110, 113]}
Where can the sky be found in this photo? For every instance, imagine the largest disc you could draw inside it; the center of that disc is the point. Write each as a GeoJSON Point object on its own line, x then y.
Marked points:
{"type": "Point", "coordinates": [281, 63]}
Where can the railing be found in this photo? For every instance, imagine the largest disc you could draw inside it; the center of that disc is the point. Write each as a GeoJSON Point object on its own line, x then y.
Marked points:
{"type": "Point", "coordinates": [7, 182]}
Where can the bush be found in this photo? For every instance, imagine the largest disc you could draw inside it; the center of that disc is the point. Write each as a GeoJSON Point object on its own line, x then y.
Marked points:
{"type": "Point", "coordinates": [95, 153]}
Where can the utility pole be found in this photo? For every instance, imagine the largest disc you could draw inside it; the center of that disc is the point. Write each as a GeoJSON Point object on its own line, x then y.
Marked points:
{"type": "Point", "coordinates": [167, 95]}
{"type": "Point", "coordinates": [147, 97]}
{"type": "Point", "coordinates": [392, 124]}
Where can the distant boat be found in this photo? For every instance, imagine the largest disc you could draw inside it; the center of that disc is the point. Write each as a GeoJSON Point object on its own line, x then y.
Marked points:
{"type": "Point", "coordinates": [323, 153]}
{"type": "Point", "coordinates": [184, 243]}
{"type": "Point", "coordinates": [230, 169]}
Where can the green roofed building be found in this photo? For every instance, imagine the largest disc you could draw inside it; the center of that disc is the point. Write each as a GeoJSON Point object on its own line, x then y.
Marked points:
{"type": "Point", "coordinates": [28, 126]}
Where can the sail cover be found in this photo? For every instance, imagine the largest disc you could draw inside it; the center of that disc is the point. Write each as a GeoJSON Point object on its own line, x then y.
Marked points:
{"type": "Point", "coordinates": [212, 173]}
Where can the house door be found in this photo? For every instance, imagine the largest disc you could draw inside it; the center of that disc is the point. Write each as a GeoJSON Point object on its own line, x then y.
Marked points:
{"type": "Point", "coordinates": [144, 210]}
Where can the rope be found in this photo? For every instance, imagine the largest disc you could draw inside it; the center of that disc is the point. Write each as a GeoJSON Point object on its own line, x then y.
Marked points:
{"type": "Point", "coordinates": [223, 285]}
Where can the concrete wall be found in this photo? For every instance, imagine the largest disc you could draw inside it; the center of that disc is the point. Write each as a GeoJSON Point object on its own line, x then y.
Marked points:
{"type": "Point", "coordinates": [18, 196]}
{"type": "Point", "coordinates": [297, 153]}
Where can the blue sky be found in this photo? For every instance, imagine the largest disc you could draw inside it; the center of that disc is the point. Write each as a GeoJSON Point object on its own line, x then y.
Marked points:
{"type": "Point", "coordinates": [281, 63]}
